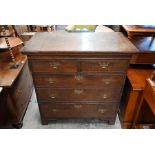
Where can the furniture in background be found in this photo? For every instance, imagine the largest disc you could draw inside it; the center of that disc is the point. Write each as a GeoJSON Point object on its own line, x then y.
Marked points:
{"type": "Point", "coordinates": [16, 83]}
{"type": "Point", "coordinates": [148, 98]}
{"type": "Point", "coordinates": [24, 32]}
{"type": "Point", "coordinates": [146, 47]}
{"type": "Point", "coordinates": [44, 28]}
{"type": "Point", "coordinates": [138, 30]}
{"type": "Point", "coordinates": [10, 31]}
{"type": "Point", "coordinates": [141, 68]}
{"type": "Point", "coordinates": [81, 77]}
{"type": "Point", "coordinates": [134, 87]}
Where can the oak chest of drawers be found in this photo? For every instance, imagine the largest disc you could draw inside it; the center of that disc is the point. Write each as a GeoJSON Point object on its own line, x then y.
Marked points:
{"type": "Point", "coordinates": [79, 75]}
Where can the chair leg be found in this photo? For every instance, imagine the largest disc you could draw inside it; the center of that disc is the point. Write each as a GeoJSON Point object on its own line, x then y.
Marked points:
{"type": "Point", "coordinates": [134, 126]}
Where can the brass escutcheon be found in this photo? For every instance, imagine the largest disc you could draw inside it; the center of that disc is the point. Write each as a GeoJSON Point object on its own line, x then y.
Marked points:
{"type": "Point", "coordinates": [77, 106]}
{"type": "Point", "coordinates": [78, 91]}
{"type": "Point", "coordinates": [104, 65]}
{"type": "Point", "coordinates": [54, 65]}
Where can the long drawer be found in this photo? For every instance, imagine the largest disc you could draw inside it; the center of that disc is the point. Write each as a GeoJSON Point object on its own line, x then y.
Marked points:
{"type": "Point", "coordinates": [73, 66]}
{"type": "Point", "coordinates": [78, 95]}
{"type": "Point", "coordinates": [77, 110]}
{"type": "Point", "coordinates": [48, 80]}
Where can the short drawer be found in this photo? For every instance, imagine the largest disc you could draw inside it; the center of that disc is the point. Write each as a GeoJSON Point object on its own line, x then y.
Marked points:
{"type": "Point", "coordinates": [104, 65]}
{"type": "Point", "coordinates": [57, 66]}
{"type": "Point", "coordinates": [78, 95]}
{"type": "Point", "coordinates": [110, 80]}
{"type": "Point", "coordinates": [77, 111]}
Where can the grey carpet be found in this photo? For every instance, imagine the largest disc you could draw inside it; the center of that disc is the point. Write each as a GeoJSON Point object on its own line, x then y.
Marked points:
{"type": "Point", "coordinates": [32, 121]}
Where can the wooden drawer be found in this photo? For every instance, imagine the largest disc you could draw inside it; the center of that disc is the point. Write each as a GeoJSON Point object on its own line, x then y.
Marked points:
{"type": "Point", "coordinates": [104, 65]}
{"type": "Point", "coordinates": [110, 80]}
{"type": "Point", "coordinates": [77, 110]}
{"type": "Point", "coordinates": [57, 66]}
{"type": "Point", "coordinates": [78, 95]}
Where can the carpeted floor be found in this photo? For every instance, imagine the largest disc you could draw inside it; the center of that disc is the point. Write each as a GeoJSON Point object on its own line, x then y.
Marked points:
{"type": "Point", "coordinates": [32, 121]}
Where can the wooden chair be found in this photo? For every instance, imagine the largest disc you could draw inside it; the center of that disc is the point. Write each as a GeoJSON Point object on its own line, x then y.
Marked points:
{"type": "Point", "coordinates": [148, 97]}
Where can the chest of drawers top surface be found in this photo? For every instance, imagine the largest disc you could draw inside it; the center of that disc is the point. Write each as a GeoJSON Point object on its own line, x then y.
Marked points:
{"type": "Point", "coordinates": [61, 42]}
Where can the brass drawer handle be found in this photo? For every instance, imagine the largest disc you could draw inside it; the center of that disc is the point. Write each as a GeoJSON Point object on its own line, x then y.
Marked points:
{"type": "Point", "coordinates": [102, 111]}
{"type": "Point", "coordinates": [107, 82]}
{"type": "Point", "coordinates": [52, 96]}
{"type": "Point", "coordinates": [54, 65]}
{"type": "Point", "coordinates": [54, 110]}
{"type": "Point", "coordinates": [78, 77]}
{"type": "Point", "coordinates": [78, 91]}
{"type": "Point", "coordinates": [104, 65]}
{"type": "Point", "coordinates": [105, 96]}
{"type": "Point", "coordinates": [51, 81]}
{"type": "Point", "coordinates": [19, 91]}
{"type": "Point", "coordinates": [77, 106]}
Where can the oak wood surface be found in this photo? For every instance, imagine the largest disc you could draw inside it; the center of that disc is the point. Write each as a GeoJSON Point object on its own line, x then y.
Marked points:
{"type": "Point", "coordinates": [79, 42]}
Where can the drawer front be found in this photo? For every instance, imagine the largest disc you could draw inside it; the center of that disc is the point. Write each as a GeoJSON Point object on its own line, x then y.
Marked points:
{"type": "Point", "coordinates": [58, 66]}
{"type": "Point", "coordinates": [77, 110]}
{"type": "Point", "coordinates": [78, 95]}
{"type": "Point", "coordinates": [78, 80]}
{"type": "Point", "coordinates": [104, 66]}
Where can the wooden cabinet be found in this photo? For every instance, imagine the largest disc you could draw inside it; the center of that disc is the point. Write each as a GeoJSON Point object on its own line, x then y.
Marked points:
{"type": "Point", "coordinates": [14, 99]}
{"type": "Point", "coordinates": [79, 75]}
